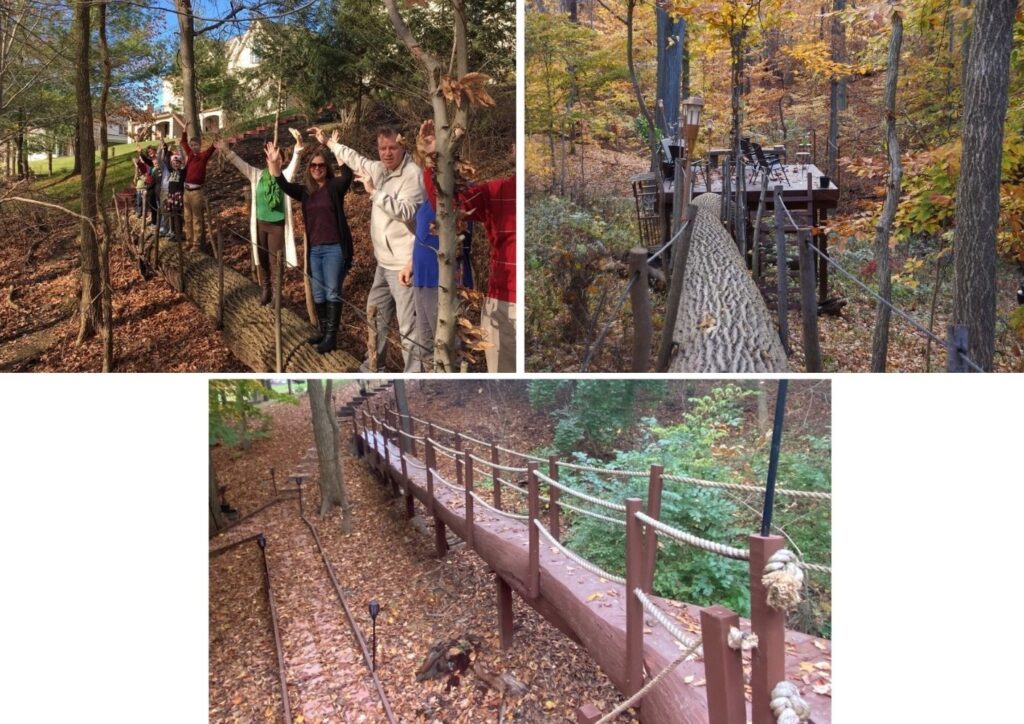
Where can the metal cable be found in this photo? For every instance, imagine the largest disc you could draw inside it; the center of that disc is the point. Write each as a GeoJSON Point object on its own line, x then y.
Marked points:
{"type": "Point", "coordinates": [668, 243]}
{"type": "Point", "coordinates": [690, 539]}
{"type": "Point", "coordinates": [582, 496]}
{"type": "Point", "coordinates": [582, 562]}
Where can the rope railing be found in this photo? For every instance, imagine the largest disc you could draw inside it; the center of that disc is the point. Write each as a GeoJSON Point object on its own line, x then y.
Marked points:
{"type": "Point", "coordinates": [658, 615]}
{"type": "Point", "coordinates": [711, 546]}
{"type": "Point", "coordinates": [493, 509]}
{"type": "Point", "coordinates": [440, 478]}
{"type": "Point", "coordinates": [813, 494]}
{"type": "Point", "coordinates": [582, 496]}
{"type": "Point", "coordinates": [482, 443]}
{"type": "Point", "coordinates": [582, 562]}
{"type": "Point", "coordinates": [591, 514]}
{"type": "Point", "coordinates": [522, 455]}
{"type": "Point", "coordinates": [449, 451]}
{"type": "Point", "coordinates": [413, 462]}
{"type": "Point", "coordinates": [496, 466]}
{"type": "Point", "coordinates": [417, 438]}
{"type": "Point", "coordinates": [669, 243]}
{"type": "Point", "coordinates": [605, 471]}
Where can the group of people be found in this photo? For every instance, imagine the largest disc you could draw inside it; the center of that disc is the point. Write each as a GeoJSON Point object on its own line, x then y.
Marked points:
{"type": "Point", "coordinates": [169, 188]}
{"type": "Point", "coordinates": [403, 209]}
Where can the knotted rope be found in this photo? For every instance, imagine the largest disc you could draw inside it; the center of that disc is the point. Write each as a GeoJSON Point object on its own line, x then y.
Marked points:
{"type": "Point", "coordinates": [787, 706]}
{"type": "Point", "coordinates": [741, 640]}
{"type": "Point", "coordinates": [783, 578]}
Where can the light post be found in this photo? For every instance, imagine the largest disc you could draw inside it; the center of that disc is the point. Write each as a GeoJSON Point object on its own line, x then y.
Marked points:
{"type": "Point", "coordinates": [692, 108]}
{"type": "Point", "coordinates": [374, 610]}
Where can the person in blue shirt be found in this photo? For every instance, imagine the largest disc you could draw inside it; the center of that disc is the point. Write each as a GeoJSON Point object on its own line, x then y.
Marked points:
{"type": "Point", "coordinates": [424, 278]}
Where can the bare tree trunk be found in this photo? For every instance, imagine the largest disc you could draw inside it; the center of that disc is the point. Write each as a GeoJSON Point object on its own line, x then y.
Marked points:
{"type": "Point", "coordinates": [880, 343]}
{"type": "Point", "coordinates": [216, 515]}
{"type": "Point", "coordinates": [187, 58]}
{"type": "Point", "coordinates": [837, 90]}
{"type": "Point", "coordinates": [636, 83]}
{"type": "Point", "coordinates": [986, 79]}
{"type": "Point", "coordinates": [89, 305]}
{"type": "Point", "coordinates": [450, 133]}
{"type": "Point", "coordinates": [325, 433]}
{"type": "Point", "coordinates": [103, 254]}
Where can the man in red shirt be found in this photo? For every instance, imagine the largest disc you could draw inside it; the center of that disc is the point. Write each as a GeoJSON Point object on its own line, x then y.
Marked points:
{"type": "Point", "coordinates": [494, 204]}
{"type": "Point", "coordinates": [195, 177]}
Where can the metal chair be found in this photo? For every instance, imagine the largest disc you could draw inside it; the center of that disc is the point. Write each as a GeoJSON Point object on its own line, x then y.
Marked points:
{"type": "Point", "coordinates": [768, 163]}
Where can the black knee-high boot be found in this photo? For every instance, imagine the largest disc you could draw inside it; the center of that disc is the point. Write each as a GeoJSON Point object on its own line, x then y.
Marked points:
{"type": "Point", "coordinates": [331, 332]}
{"type": "Point", "coordinates": [321, 316]}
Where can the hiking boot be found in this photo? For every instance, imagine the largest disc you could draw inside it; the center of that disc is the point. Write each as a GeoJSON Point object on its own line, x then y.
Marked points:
{"type": "Point", "coordinates": [331, 331]}
{"type": "Point", "coordinates": [321, 316]}
{"type": "Point", "coordinates": [265, 289]}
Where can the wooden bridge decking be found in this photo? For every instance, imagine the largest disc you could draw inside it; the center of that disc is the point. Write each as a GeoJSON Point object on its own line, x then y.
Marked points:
{"type": "Point", "coordinates": [566, 589]}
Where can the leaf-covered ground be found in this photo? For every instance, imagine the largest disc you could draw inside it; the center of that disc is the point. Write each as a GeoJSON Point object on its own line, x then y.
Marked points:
{"type": "Point", "coordinates": [422, 599]}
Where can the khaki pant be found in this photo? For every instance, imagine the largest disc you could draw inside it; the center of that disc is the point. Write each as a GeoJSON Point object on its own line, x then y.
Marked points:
{"type": "Point", "coordinates": [498, 320]}
{"type": "Point", "coordinates": [391, 297]}
{"type": "Point", "coordinates": [195, 219]}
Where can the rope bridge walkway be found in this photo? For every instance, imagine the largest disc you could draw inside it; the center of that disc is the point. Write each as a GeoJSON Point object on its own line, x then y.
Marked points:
{"type": "Point", "coordinates": [653, 649]}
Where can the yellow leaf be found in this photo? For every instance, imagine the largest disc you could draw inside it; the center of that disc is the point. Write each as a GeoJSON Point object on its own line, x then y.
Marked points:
{"type": "Point", "coordinates": [595, 596]}
{"type": "Point", "coordinates": [549, 705]}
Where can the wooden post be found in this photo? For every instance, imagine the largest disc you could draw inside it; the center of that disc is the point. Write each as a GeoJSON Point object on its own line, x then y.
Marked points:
{"type": "Point", "coordinates": [494, 476]}
{"type": "Point", "coordinates": [219, 240]}
{"type": "Point", "coordinates": [678, 200]}
{"type": "Point", "coordinates": [723, 667]}
{"type": "Point", "coordinates": [809, 304]}
{"type": "Point", "coordinates": [373, 438]}
{"type": "Point", "coordinates": [755, 253]}
{"type": "Point", "coordinates": [553, 512]}
{"type": "Point", "coordinates": [726, 191]}
{"type": "Point", "coordinates": [640, 302]}
{"type": "Point", "coordinates": [675, 291]}
{"type": "Point", "coordinates": [634, 609]}
{"type": "Point", "coordinates": [956, 342]}
{"type": "Point", "coordinates": [768, 660]}
{"type": "Point", "coordinates": [724, 173]}
{"type": "Point", "coordinates": [505, 620]}
{"type": "Point", "coordinates": [741, 208]}
{"type": "Point", "coordinates": [429, 453]}
{"type": "Point", "coordinates": [440, 538]}
{"type": "Point", "coordinates": [654, 485]}
{"type": "Point", "coordinates": [279, 274]}
{"type": "Point", "coordinates": [533, 574]}
{"type": "Point", "coordinates": [181, 258]}
{"type": "Point", "coordinates": [468, 485]}
{"type": "Point", "coordinates": [782, 302]}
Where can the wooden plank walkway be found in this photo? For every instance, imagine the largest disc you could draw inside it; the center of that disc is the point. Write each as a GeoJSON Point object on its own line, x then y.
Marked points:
{"type": "Point", "coordinates": [564, 587]}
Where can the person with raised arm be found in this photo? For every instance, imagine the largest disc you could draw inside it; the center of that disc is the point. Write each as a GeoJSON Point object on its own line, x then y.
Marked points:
{"type": "Point", "coordinates": [270, 217]}
{"type": "Point", "coordinates": [195, 177]}
{"type": "Point", "coordinates": [322, 195]}
{"type": "Point", "coordinates": [396, 190]}
{"type": "Point", "coordinates": [494, 204]}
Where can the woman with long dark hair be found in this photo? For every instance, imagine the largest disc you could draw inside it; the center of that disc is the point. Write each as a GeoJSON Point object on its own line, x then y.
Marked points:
{"type": "Point", "coordinates": [329, 240]}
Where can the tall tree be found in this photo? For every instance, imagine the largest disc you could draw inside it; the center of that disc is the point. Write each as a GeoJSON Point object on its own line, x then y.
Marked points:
{"type": "Point", "coordinates": [325, 433]}
{"type": "Point", "coordinates": [187, 59]}
{"type": "Point", "coordinates": [216, 515]}
{"type": "Point", "coordinates": [837, 87]}
{"type": "Point", "coordinates": [89, 301]}
{"type": "Point", "coordinates": [880, 342]}
{"type": "Point", "coordinates": [986, 80]}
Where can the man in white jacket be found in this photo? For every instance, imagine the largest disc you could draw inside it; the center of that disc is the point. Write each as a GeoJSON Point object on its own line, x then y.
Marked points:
{"type": "Point", "coordinates": [395, 185]}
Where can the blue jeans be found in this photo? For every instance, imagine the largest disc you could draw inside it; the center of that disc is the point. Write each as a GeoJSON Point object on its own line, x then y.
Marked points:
{"type": "Point", "coordinates": [325, 266]}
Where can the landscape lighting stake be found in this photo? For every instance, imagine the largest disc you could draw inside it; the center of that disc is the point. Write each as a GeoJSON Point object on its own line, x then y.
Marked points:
{"type": "Point", "coordinates": [773, 460]}
{"type": "Point", "coordinates": [374, 610]}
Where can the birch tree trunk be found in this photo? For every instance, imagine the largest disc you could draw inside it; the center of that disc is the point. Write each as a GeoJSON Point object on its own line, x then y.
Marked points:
{"type": "Point", "coordinates": [880, 342]}
{"type": "Point", "coordinates": [450, 131]}
{"type": "Point", "coordinates": [986, 79]}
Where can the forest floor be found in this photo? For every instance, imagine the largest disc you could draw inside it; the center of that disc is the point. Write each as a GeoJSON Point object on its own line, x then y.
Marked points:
{"type": "Point", "coordinates": [155, 328]}
{"type": "Point", "coordinates": [597, 177]}
{"type": "Point", "coordinates": [423, 599]}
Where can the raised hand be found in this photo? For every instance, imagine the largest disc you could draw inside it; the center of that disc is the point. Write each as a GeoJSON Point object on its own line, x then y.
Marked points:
{"type": "Point", "coordinates": [297, 136]}
{"type": "Point", "coordinates": [218, 143]}
{"type": "Point", "coordinates": [273, 158]}
{"type": "Point", "coordinates": [335, 136]}
{"type": "Point", "coordinates": [318, 134]}
{"type": "Point", "coordinates": [426, 141]}
{"type": "Point", "coordinates": [366, 181]}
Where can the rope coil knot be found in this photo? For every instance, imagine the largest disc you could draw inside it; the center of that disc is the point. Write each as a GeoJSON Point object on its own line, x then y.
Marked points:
{"type": "Point", "coordinates": [787, 706]}
{"type": "Point", "coordinates": [741, 640]}
{"type": "Point", "coordinates": [783, 578]}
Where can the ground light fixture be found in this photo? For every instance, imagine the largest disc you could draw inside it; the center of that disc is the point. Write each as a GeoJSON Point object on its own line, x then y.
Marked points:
{"type": "Point", "coordinates": [374, 610]}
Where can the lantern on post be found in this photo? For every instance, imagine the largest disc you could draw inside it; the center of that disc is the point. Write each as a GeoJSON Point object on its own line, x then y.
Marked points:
{"type": "Point", "coordinates": [692, 108]}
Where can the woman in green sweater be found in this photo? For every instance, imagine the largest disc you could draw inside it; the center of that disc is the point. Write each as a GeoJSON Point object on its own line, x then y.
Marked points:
{"type": "Point", "coordinates": [270, 216]}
